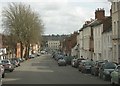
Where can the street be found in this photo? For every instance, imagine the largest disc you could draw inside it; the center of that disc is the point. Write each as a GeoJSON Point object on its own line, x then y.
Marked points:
{"type": "Point", "coordinates": [44, 70]}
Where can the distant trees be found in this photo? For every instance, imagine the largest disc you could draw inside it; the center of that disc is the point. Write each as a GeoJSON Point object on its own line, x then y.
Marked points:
{"type": "Point", "coordinates": [22, 24]}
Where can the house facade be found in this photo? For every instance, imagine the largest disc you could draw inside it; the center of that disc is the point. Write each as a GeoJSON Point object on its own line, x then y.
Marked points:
{"type": "Point", "coordinates": [116, 31]}
{"type": "Point", "coordinates": [81, 43]}
{"type": "Point", "coordinates": [1, 43]}
{"type": "Point", "coordinates": [53, 44]}
{"type": "Point", "coordinates": [107, 45]}
{"type": "Point", "coordinates": [87, 35]}
{"type": "Point", "coordinates": [97, 36]}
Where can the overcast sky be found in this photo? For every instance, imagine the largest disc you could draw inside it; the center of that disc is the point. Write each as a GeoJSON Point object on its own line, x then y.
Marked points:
{"type": "Point", "coordinates": [63, 16]}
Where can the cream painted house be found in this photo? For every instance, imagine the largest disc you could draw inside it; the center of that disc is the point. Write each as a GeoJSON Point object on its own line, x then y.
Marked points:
{"type": "Point", "coordinates": [53, 44]}
{"type": "Point", "coordinates": [102, 35]}
{"type": "Point", "coordinates": [87, 35]}
{"type": "Point", "coordinates": [107, 45]}
{"type": "Point", "coordinates": [116, 31]}
{"type": "Point", "coordinates": [97, 36]}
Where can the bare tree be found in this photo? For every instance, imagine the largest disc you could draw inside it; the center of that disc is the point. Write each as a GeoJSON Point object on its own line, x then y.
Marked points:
{"type": "Point", "coordinates": [22, 24]}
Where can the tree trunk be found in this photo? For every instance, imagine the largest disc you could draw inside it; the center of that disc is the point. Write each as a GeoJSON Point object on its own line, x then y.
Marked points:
{"type": "Point", "coordinates": [21, 45]}
{"type": "Point", "coordinates": [27, 51]}
{"type": "Point", "coordinates": [25, 56]}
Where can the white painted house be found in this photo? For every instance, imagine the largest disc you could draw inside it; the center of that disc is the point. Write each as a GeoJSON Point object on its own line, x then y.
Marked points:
{"type": "Point", "coordinates": [97, 36]}
{"type": "Point", "coordinates": [107, 45]}
{"type": "Point", "coordinates": [87, 35]}
{"type": "Point", "coordinates": [102, 39]}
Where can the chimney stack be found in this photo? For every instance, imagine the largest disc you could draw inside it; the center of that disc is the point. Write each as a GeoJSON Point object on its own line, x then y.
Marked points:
{"type": "Point", "coordinates": [110, 12]}
{"type": "Point", "coordinates": [100, 14]}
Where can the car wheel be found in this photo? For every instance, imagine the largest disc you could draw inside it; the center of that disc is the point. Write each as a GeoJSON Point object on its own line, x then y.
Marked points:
{"type": "Point", "coordinates": [3, 75]}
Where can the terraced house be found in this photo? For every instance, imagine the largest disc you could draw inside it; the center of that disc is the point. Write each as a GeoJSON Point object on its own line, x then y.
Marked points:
{"type": "Point", "coordinates": [116, 30]}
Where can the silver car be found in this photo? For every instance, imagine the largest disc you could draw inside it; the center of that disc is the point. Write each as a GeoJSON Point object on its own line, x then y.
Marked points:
{"type": "Point", "coordinates": [8, 65]}
{"type": "Point", "coordinates": [61, 62]}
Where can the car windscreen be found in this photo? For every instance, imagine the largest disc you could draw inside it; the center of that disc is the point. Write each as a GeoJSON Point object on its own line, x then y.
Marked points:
{"type": "Point", "coordinates": [109, 66]}
{"type": "Point", "coordinates": [89, 63]}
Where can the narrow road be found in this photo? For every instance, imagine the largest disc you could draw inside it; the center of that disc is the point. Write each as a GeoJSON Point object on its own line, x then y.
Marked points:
{"type": "Point", "coordinates": [44, 70]}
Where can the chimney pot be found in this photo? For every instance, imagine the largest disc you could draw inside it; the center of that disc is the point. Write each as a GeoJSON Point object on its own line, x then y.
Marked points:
{"type": "Point", "coordinates": [100, 14]}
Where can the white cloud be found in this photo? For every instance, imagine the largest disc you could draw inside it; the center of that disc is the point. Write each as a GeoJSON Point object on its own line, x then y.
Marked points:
{"type": "Point", "coordinates": [65, 16]}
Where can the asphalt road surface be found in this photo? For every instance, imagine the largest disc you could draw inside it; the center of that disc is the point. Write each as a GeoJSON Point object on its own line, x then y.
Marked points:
{"type": "Point", "coordinates": [44, 70]}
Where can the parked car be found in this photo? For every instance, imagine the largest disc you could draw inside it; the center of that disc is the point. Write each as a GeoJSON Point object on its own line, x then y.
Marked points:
{"type": "Point", "coordinates": [61, 62]}
{"type": "Point", "coordinates": [68, 59]}
{"type": "Point", "coordinates": [81, 64]}
{"type": "Point", "coordinates": [17, 60]}
{"type": "Point", "coordinates": [95, 68]}
{"type": "Point", "coordinates": [77, 62]}
{"type": "Point", "coordinates": [31, 56]}
{"type": "Point", "coordinates": [106, 69]}
{"type": "Point", "coordinates": [38, 54]}
{"type": "Point", "coordinates": [7, 65]}
{"type": "Point", "coordinates": [21, 59]}
{"type": "Point", "coordinates": [73, 62]}
{"type": "Point", "coordinates": [15, 63]}
{"type": "Point", "coordinates": [86, 68]}
{"type": "Point", "coordinates": [2, 71]}
{"type": "Point", "coordinates": [59, 56]}
{"type": "Point", "coordinates": [43, 52]}
{"type": "Point", "coordinates": [53, 54]}
{"type": "Point", "coordinates": [115, 76]}
{"type": "Point", "coordinates": [0, 80]}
